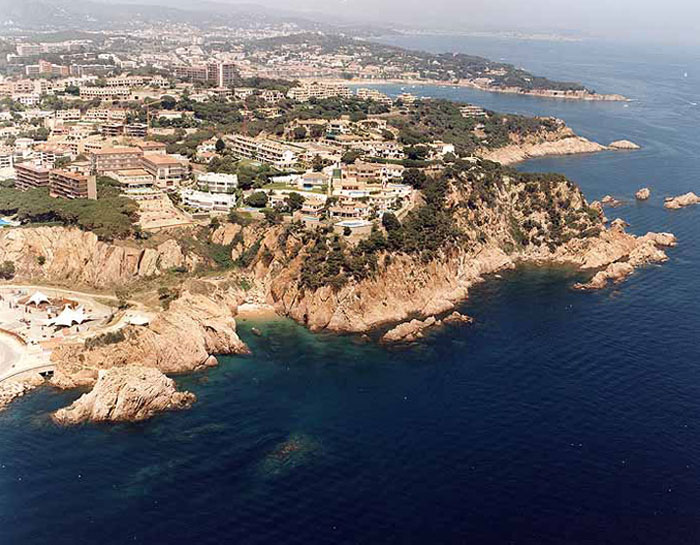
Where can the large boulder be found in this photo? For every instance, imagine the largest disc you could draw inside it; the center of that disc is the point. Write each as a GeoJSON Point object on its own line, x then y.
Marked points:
{"type": "Point", "coordinates": [682, 201]}
{"type": "Point", "coordinates": [623, 145]}
{"type": "Point", "coordinates": [130, 393]}
{"type": "Point", "coordinates": [643, 194]}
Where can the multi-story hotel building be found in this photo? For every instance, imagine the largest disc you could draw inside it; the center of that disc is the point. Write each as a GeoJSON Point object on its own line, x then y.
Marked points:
{"type": "Point", "coordinates": [107, 159]}
{"type": "Point", "coordinates": [267, 151]}
{"type": "Point", "coordinates": [30, 176]}
{"type": "Point", "coordinates": [166, 171]}
{"type": "Point", "coordinates": [318, 89]}
{"type": "Point", "coordinates": [222, 74]}
{"type": "Point", "coordinates": [88, 93]}
{"type": "Point", "coordinates": [72, 185]}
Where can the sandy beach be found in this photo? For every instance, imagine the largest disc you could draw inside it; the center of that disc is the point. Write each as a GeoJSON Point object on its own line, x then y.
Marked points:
{"type": "Point", "coordinates": [256, 311]}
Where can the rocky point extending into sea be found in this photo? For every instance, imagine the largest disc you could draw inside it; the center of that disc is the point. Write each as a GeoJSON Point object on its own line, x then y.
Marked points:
{"type": "Point", "coordinates": [492, 220]}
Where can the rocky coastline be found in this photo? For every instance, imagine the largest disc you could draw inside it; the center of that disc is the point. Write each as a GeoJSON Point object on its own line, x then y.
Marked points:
{"type": "Point", "coordinates": [501, 218]}
{"type": "Point", "coordinates": [131, 393]}
{"type": "Point", "coordinates": [561, 142]}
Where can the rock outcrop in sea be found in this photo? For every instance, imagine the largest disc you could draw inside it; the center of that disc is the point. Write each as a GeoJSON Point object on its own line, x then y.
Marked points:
{"type": "Point", "coordinates": [609, 200]}
{"type": "Point", "coordinates": [413, 330]}
{"type": "Point", "coordinates": [13, 388]}
{"type": "Point", "coordinates": [130, 393]}
{"type": "Point", "coordinates": [682, 201]}
{"type": "Point", "coordinates": [643, 194]}
{"type": "Point", "coordinates": [623, 145]}
{"type": "Point", "coordinates": [561, 142]}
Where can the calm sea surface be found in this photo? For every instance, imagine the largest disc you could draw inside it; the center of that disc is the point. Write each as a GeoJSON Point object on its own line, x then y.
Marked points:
{"type": "Point", "coordinates": [558, 417]}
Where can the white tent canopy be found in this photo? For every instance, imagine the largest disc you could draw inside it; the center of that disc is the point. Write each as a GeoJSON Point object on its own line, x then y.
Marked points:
{"type": "Point", "coordinates": [70, 316]}
{"type": "Point", "coordinates": [37, 299]}
{"type": "Point", "coordinates": [138, 319]}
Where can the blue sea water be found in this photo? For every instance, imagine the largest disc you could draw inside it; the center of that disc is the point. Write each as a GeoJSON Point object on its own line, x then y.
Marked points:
{"type": "Point", "coordinates": [558, 417]}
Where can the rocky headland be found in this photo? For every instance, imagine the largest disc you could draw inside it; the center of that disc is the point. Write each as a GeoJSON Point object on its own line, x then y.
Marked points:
{"type": "Point", "coordinates": [128, 375]}
{"type": "Point", "coordinates": [545, 143]}
{"type": "Point", "coordinates": [561, 142]}
{"type": "Point", "coordinates": [475, 219]}
{"type": "Point", "coordinates": [17, 387]}
{"type": "Point", "coordinates": [130, 393]}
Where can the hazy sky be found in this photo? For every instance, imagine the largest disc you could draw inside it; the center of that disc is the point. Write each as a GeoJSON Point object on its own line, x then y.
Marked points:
{"type": "Point", "coordinates": [668, 20]}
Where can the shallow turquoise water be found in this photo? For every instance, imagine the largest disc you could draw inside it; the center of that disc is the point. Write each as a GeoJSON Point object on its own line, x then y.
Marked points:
{"type": "Point", "coordinates": [558, 417]}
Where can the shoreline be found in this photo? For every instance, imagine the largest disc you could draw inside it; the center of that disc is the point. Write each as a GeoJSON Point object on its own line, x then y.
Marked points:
{"type": "Point", "coordinates": [543, 93]}
{"type": "Point", "coordinates": [256, 311]}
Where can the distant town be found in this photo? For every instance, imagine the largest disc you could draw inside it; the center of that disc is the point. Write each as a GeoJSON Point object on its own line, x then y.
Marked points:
{"type": "Point", "coordinates": [187, 128]}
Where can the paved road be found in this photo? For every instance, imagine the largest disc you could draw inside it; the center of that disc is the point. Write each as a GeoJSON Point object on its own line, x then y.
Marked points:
{"type": "Point", "coordinates": [10, 354]}
{"type": "Point", "coordinates": [15, 358]}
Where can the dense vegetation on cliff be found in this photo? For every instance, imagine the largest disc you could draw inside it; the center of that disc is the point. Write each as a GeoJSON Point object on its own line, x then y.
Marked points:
{"type": "Point", "coordinates": [467, 205]}
{"type": "Point", "coordinates": [109, 217]}
{"type": "Point", "coordinates": [431, 120]}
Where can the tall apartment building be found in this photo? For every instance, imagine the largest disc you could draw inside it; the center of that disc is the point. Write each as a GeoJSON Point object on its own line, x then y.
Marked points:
{"type": "Point", "coordinates": [267, 151]}
{"type": "Point", "coordinates": [111, 130]}
{"type": "Point", "coordinates": [105, 114]}
{"type": "Point", "coordinates": [7, 157]}
{"type": "Point", "coordinates": [373, 94]}
{"type": "Point", "coordinates": [125, 81]}
{"type": "Point", "coordinates": [319, 90]}
{"type": "Point", "coordinates": [107, 159]}
{"type": "Point", "coordinates": [222, 74]}
{"type": "Point", "coordinates": [136, 130]}
{"type": "Point", "coordinates": [88, 93]}
{"type": "Point", "coordinates": [71, 114]}
{"type": "Point", "coordinates": [30, 176]}
{"type": "Point", "coordinates": [45, 68]}
{"type": "Point", "coordinates": [72, 185]}
{"type": "Point", "coordinates": [29, 50]}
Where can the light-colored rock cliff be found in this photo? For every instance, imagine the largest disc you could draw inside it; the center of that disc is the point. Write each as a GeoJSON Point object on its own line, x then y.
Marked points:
{"type": "Point", "coordinates": [17, 387]}
{"type": "Point", "coordinates": [74, 256]}
{"type": "Point", "coordinates": [405, 286]}
{"type": "Point", "coordinates": [567, 145]}
{"type": "Point", "coordinates": [130, 393]}
{"type": "Point", "coordinates": [178, 340]}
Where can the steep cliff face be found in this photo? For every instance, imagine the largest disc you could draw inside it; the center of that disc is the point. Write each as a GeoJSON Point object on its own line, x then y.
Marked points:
{"type": "Point", "coordinates": [198, 324]}
{"type": "Point", "coordinates": [501, 218]}
{"type": "Point", "coordinates": [59, 254]}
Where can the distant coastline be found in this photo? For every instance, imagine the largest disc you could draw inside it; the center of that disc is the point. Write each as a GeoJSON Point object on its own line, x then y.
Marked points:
{"type": "Point", "coordinates": [538, 93]}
